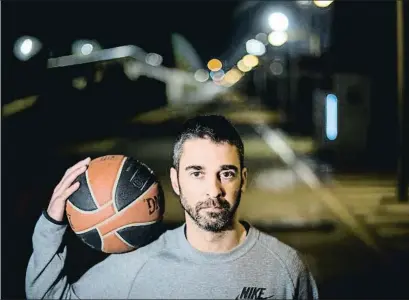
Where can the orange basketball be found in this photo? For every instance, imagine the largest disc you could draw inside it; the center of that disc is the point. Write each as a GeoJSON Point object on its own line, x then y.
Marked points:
{"type": "Point", "coordinates": [119, 205]}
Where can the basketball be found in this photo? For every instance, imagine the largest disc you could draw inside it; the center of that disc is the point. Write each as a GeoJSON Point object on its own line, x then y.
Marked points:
{"type": "Point", "coordinates": [118, 206]}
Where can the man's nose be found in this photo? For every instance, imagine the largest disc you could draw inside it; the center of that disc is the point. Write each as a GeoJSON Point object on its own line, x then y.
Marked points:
{"type": "Point", "coordinates": [214, 188]}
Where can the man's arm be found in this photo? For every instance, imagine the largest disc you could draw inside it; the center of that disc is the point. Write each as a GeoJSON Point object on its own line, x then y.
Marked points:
{"type": "Point", "coordinates": [45, 278]}
{"type": "Point", "coordinates": [305, 285]}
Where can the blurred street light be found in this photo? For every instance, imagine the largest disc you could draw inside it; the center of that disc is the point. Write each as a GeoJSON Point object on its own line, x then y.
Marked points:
{"type": "Point", "coordinates": [214, 65]}
{"type": "Point", "coordinates": [323, 3]}
{"type": "Point", "coordinates": [217, 75]}
{"type": "Point", "coordinates": [278, 21]}
{"type": "Point", "coordinates": [262, 37]}
{"type": "Point", "coordinates": [243, 67]}
{"type": "Point", "coordinates": [201, 75]}
{"type": "Point", "coordinates": [250, 60]}
{"type": "Point", "coordinates": [153, 59]}
{"type": "Point", "coordinates": [26, 47]}
{"type": "Point", "coordinates": [278, 38]}
{"type": "Point", "coordinates": [231, 77]}
{"type": "Point", "coordinates": [255, 47]}
{"type": "Point", "coordinates": [85, 47]}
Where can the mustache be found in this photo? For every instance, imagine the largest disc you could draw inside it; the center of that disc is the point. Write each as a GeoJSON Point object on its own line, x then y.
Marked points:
{"type": "Point", "coordinates": [213, 203]}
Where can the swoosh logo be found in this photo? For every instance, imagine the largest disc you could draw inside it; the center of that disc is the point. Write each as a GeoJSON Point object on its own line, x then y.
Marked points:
{"type": "Point", "coordinates": [268, 297]}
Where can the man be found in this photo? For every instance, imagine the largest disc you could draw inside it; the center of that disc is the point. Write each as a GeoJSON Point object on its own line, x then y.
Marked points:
{"type": "Point", "coordinates": [212, 256]}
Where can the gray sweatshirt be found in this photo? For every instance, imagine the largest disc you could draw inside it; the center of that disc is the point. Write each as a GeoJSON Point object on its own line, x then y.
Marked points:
{"type": "Point", "coordinates": [170, 268]}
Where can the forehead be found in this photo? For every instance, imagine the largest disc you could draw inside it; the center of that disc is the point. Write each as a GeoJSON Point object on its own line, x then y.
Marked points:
{"type": "Point", "coordinates": [209, 154]}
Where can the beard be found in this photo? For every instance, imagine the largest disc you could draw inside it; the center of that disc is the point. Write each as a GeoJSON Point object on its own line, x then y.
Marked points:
{"type": "Point", "coordinates": [212, 221]}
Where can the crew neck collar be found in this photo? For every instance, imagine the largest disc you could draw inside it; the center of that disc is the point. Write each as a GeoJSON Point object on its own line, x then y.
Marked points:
{"type": "Point", "coordinates": [210, 257]}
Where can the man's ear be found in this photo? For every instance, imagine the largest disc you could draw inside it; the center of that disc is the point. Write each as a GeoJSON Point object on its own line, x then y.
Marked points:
{"type": "Point", "coordinates": [243, 179]}
{"type": "Point", "coordinates": [174, 180]}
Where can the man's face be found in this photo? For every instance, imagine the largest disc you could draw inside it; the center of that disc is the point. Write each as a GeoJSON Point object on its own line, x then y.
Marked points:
{"type": "Point", "coordinates": [209, 182]}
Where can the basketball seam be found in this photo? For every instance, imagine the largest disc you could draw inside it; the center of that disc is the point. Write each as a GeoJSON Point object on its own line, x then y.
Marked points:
{"type": "Point", "coordinates": [125, 242]}
{"type": "Point", "coordinates": [90, 189]}
{"type": "Point", "coordinates": [120, 212]}
{"type": "Point", "coordinates": [130, 225]}
{"type": "Point", "coordinates": [88, 211]}
{"type": "Point", "coordinates": [118, 175]}
{"type": "Point", "coordinates": [101, 238]}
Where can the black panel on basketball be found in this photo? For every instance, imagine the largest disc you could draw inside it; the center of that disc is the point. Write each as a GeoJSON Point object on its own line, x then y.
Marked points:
{"type": "Point", "coordinates": [161, 200]}
{"type": "Point", "coordinates": [134, 235]}
{"type": "Point", "coordinates": [91, 238]}
{"type": "Point", "coordinates": [83, 198]}
{"type": "Point", "coordinates": [139, 175]}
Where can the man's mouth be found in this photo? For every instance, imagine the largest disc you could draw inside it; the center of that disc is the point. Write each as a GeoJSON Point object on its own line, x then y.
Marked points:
{"type": "Point", "coordinates": [214, 209]}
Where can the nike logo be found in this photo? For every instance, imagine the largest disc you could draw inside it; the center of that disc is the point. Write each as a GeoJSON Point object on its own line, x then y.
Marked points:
{"type": "Point", "coordinates": [253, 293]}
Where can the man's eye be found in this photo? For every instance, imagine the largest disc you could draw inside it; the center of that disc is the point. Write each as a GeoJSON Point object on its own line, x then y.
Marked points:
{"type": "Point", "coordinates": [228, 175]}
{"type": "Point", "coordinates": [196, 174]}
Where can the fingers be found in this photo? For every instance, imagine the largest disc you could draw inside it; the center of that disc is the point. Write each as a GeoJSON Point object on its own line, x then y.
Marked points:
{"type": "Point", "coordinates": [56, 208]}
{"type": "Point", "coordinates": [78, 165]}
{"type": "Point", "coordinates": [67, 182]}
{"type": "Point", "coordinates": [68, 192]}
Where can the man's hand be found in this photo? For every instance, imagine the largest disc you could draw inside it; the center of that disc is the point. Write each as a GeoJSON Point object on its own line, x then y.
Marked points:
{"type": "Point", "coordinates": [65, 188]}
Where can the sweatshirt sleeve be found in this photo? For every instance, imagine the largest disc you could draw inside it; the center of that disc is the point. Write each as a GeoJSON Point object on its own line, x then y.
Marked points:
{"type": "Point", "coordinates": [45, 278]}
{"type": "Point", "coordinates": [305, 285]}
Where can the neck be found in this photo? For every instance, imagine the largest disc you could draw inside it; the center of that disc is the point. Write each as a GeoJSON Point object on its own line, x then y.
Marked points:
{"type": "Point", "coordinates": [207, 241]}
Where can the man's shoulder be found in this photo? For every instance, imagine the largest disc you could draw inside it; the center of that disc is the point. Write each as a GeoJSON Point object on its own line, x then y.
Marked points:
{"type": "Point", "coordinates": [150, 250]}
{"type": "Point", "coordinates": [278, 250]}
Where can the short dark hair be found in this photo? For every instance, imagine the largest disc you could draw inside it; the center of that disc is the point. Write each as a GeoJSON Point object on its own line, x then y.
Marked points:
{"type": "Point", "coordinates": [214, 127]}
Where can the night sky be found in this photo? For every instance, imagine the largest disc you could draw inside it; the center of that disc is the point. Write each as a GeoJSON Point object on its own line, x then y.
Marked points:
{"type": "Point", "coordinates": [205, 24]}
{"type": "Point", "coordinates": [363, 32]}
